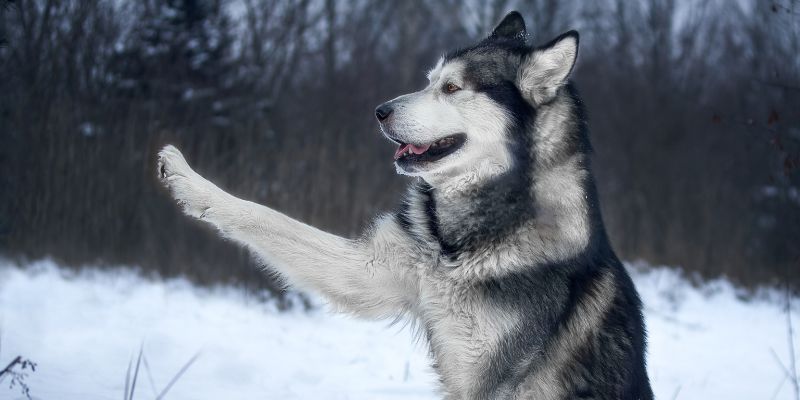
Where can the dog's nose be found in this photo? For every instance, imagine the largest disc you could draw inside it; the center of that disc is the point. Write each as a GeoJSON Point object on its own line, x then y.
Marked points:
{"type": "Point", "coordinates": [383, 111]}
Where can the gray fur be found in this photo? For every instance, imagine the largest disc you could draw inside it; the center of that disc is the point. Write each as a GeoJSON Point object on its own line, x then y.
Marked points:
{"type": "Point", "coordinates": [498, 252]}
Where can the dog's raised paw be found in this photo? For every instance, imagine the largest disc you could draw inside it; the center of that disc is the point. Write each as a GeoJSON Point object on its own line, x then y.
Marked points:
{"type": "Point", "coordinates": [192, 192]}
{"type": "Point", "coordinates": [171, 162]}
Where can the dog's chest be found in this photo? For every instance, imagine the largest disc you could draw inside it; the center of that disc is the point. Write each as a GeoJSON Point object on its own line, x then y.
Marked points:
{"type": "Point", "coordinates": [463, 330]}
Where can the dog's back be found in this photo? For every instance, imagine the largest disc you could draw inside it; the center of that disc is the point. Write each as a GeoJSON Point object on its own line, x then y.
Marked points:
{"type": "Point", "coordinates": [594, 348]}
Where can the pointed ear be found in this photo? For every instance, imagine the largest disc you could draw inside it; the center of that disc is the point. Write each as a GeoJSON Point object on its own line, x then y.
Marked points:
{"type": "Point", "coordinates": [547, 68]}
{"type": "Point", "coordinates": [511, 27]}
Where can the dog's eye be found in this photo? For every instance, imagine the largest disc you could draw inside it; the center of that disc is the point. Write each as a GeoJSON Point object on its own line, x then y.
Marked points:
{"type": "Point", "coordinates": [451, 88]}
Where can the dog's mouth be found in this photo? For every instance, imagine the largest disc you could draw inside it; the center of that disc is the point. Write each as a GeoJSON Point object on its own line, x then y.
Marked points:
{"type": "Point", "coordinates": [428, 152]}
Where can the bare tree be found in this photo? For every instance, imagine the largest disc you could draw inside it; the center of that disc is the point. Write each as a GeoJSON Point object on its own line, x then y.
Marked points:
{"type": "Point", "coordinates": [689, 104]}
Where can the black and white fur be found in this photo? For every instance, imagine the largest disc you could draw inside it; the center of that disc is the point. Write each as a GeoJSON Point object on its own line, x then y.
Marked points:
{"type": "Point", "coordinates": [498, 252]}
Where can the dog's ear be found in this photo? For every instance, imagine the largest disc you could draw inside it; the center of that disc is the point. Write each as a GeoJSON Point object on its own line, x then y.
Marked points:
{"type": "Point", "coordinates": [547, 68]}
{"type": "Point", "coordinates": [511, 27]}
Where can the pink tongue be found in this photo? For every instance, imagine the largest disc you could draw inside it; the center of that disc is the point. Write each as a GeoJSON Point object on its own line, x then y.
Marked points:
{"type": "Point", "coordinates": [419, 149]}
{"type": "Point", "coordinates": [414, 149]}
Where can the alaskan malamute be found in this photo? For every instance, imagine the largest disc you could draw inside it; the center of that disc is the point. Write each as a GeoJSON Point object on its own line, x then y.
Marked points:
{"type": "Point", "coordinates": [498, 251]}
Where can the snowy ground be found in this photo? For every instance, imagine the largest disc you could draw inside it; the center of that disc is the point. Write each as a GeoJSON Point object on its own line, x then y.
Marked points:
{"type": "Point", "coordinates": [84, 329]}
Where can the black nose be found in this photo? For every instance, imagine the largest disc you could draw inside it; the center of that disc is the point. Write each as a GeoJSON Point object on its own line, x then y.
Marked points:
{"type": "Point", "coordinates": [383, 111]}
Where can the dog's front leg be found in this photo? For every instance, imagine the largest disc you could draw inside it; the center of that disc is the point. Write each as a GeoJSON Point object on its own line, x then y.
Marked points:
{"type": "Point", "coordinates": [347, 272]}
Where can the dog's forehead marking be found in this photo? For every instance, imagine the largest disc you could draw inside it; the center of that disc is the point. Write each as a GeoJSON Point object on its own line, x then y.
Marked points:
{"type": "Point", "coordinates": [433, 74]}
{"type": "Point", "coordinates": [445, 70]}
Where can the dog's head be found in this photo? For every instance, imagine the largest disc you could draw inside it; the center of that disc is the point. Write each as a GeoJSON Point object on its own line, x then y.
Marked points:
{"type": "Point", "coordinates": [471, 119]}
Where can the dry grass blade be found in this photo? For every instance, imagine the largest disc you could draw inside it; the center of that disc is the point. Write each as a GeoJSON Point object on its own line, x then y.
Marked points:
{"type": "Point", "coordinates": [130, 383]}
{"type": "Point", "coordinates": [135, 373]}
{"type": "Point", "coordinates": [178, 375]}
{"type": "Point", "coordinates": [792, 368]}
{"type": "Point", "coordinates": [778, 389]}
{"type": "Point", "coordinates": [127, 380]}
{"type": "Point", "coordinates": [677, 392]}
{"type": "Point", "coordinates": [149, 375]}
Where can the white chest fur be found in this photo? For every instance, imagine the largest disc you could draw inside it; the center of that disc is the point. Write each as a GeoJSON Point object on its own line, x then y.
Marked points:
{"type": "Point", "coordinates": [464, 330]}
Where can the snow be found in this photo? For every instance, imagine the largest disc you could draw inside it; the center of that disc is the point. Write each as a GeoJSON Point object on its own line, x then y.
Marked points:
{"type": "Point", "coordinates": [84, 328]}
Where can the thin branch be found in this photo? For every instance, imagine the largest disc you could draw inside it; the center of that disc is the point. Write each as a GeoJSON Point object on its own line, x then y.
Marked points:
{"type": "Point", "coordinates": [7, 369]}
{"type": "Point", "coordinates": [778, 361]}
{"type": "Point", "coordinates": [18, 377]}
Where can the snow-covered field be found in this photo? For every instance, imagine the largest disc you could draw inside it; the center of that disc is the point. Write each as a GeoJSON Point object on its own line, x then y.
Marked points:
{"type": "Point", "coordinates": [83, 330]}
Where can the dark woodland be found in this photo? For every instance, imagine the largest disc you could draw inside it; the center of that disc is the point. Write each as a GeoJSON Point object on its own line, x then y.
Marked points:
{"type": "Point", "coordinates": [693, 106]}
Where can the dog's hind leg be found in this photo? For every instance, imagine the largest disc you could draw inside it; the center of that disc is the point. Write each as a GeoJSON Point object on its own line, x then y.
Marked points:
{"type": "Point", "coordinates": [360, 276]}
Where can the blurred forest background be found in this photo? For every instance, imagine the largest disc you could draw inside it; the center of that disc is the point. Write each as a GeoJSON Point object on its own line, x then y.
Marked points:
{"type": "Point", "coordinates": [694, 111]}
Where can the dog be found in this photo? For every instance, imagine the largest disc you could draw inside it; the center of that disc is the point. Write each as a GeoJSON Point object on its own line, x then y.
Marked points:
{"type": "Point", "coordinates": [497, 252]}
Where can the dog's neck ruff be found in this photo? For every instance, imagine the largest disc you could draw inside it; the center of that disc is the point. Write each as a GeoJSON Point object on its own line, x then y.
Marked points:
{"type": "Point", "coordinates": [536, 209]}
{"type": "Point", "coordinates": [473, 216]}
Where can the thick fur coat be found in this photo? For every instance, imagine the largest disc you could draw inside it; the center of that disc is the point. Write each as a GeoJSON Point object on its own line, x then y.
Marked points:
{"type": "Point", "coordinates": [498, 251]}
